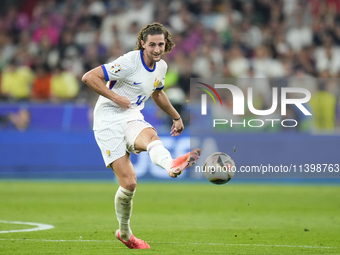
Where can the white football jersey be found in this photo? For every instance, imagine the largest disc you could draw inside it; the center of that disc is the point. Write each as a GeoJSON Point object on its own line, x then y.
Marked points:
{"type": "Point", "coordinates": [128, 76]}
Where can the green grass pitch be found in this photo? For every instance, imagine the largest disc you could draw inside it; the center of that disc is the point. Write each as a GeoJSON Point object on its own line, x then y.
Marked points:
{"type": "Point", "coordinates": [174, 218]}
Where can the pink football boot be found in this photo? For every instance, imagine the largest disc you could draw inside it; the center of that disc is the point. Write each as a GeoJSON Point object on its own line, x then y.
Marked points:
{"type": "Point", "coordinates": [133, 243]}
{"type": "Point", "coordinates": [183, 162]}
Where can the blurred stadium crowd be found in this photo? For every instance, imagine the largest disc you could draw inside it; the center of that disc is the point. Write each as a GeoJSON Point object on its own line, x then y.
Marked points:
{"type": "Point", "coordinates": [46, 46]}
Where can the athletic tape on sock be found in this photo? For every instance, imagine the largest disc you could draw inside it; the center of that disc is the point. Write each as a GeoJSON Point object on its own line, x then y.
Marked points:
{"type": "Point", "coordinates": [153, 144]}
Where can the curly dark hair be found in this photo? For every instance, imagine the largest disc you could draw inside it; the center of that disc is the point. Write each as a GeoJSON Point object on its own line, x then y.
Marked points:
{"type": "Point", "coordinates": [155, 29]}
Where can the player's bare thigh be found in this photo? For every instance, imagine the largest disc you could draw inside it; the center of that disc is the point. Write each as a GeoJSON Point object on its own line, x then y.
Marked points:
{"type": "Point", "coordinates": [145, 137]}
{"type": "Point", "coordinates": [124, 172]}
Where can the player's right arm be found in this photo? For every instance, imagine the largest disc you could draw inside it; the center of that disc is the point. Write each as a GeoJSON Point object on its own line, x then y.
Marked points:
{"type": "Point", "coordinates": [94, 79]}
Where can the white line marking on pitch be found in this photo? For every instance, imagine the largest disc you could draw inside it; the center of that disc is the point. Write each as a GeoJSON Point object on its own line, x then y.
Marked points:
{"type": "Point", "coordinates": [39, 226]}
{"type": "Point", "coordinates": [231, 244]}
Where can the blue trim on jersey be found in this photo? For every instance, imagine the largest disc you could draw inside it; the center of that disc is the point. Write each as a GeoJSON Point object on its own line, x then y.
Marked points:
{"type": "Point", "coordinates": [145, 66]}
{"type": "Point", "coordinates": [112, 83]}
{"type": "Point", "coordinates": [160, 88]}
{"type": "Point", "coordinates": [105, 73]}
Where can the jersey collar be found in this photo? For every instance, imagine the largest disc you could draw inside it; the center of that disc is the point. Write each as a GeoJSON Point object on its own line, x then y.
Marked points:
{"type": "Point", "coordinates": [145, 66]}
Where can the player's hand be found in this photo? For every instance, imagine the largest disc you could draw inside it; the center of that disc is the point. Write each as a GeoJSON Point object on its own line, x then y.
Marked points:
{"type": "Point", "coordinates": [123, 102]}
{"type": "Point", "coordinates": [177, 127]}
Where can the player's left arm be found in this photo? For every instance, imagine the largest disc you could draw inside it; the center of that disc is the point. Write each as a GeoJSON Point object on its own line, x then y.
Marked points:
{"type": "Point", "coordinates": [161, 99]}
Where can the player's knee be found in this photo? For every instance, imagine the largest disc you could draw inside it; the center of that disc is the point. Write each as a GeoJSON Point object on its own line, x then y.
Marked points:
{"type": "Point", "coordinates": [131, 185]}
{"type": "Point", "coordinates": [153, 138]}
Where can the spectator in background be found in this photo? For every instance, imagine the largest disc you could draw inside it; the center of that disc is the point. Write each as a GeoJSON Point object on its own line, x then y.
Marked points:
{"type": "Point", "coordinates": [16, 81]}
{"type": "Point", "coordinates": [27, 44]}
{"type": "Point", "coordinates": [177, 98]}
{"type": "Point", "coordinates": [193, 39]}
{"type": "Point", "coordinates": [300, 79]}
{"type": "Point", "coordinates": [42, 83]}
{"type": "Point", "coordinates": [67, 45]}
{"type": "Point", "coordinates": [127, 37]}
{"type": "Point", "coordinates": [184, 78]}
{"type": "Point", "coordinates": [111, 23]}
{"type": "Point", "coordinates": [265, 64]}
{"type": "Point", "coordinates": [280, 46]}
{"type": "Point", "coordinates": [162, 14]}
{"type": "Point", "coordinates": [227, 18]}
{"type": "Point", "coordinates": [93, 54]}
{"type": "Point", "coordinates": [328, 57]}
{"type": "Point", "coordinates": [208, 15]}
{"type": "Point", "coordinates": [238, 64]}
{"type": "Point", "coordinates": [47, 53]}
{"type": "Point", "coordinates": [57, 18]}
{"type": "Point", "coordinates": [64, 85]}
{"type": "Point", "coordinates": [318, 30]}
{"type": "Point", "coordinates": [97, 11]}
{"type": "Point", "coordinates": [251, 35]}
{"type": "Point", "coordinates": [209, 51]}
{"type": "Point", "coordinates": [109, 35]}
{"type": "Point", "coordinates": [46, 30]}
{"type": "Point", "coordinates": [138, 11]}
{"type": "Point", "coordinates": [86, 33]}
{"type": "Point", "coordinates": [305, 60]}
{"type": "Point", "coordinates": [262, 92]}
{"type": "Point", "coordinates": [72, 62]}
{"type": "Point", "coordinates": [15, 20]}
{"type": "Point", "coordinates": [8, 48]}
{"type": "Point", "coordinates": [324, 105]}
{"type": "Point", "coordinates": [299, 36]}
{"type": "Point", "coordinates": [181, 20]}
{"type": "Point", "coordinates": [115, 52]}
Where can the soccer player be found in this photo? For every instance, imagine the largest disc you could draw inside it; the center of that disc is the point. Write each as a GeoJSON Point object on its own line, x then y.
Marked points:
{"type": "Point", "coordinates": [119, 126]}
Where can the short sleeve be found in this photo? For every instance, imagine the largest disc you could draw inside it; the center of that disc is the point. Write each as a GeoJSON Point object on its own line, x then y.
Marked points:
{"type": "Point", "coordinates": [118, 69]}
{"type": "Point", "coordinates": [161, 83]}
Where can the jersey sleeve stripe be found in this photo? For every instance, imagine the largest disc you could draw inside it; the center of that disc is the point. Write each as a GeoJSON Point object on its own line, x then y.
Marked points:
{"type": "Point", "coordinates": [160, 88]}
{"type": "Point", "coordinates": [105, 73]}
{"type": "Point", "coordinates": [112, 83]}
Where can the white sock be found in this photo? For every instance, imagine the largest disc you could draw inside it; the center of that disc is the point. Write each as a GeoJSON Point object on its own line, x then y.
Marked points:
{"type": "Point", "coordinates": [123, 205]}
{"type": "Point", "coordinates": [159, 155]}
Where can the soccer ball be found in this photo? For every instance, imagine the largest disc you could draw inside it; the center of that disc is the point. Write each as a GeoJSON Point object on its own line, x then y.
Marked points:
{"type": "Point", "coordinates": [219, 168]}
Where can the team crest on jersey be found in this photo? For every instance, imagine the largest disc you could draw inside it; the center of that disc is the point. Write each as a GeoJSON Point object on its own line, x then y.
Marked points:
{"type": "Point", "coordinates": [108, 152]}
{"type": "Point", "coordinates": [156, 83]}
{"type": "Point", "coordinates": [115, 68]}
